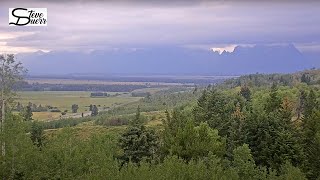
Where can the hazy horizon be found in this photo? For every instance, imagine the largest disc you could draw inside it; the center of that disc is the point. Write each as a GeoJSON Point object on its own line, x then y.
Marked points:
{"type": "Point", "coordinates": [173, 37]}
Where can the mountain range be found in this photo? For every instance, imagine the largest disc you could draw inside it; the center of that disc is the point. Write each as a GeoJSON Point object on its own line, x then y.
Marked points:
{"type": "Point", "coordinates": [173, 60]}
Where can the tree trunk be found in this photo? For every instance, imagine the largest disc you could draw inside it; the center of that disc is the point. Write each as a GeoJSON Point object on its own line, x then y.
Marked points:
{"type": "Point", "coordinates": [3, 145]}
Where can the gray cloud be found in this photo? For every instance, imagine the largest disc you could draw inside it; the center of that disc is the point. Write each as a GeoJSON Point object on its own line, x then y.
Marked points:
{"type": "Point", "coordinates": [82, 25]}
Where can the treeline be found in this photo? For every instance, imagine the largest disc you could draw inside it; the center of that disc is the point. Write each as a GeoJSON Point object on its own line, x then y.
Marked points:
{"type": "Point", "coordinates": [35, 108]}
{"type": "Point", "coordinates": [147, 78]}
{"type": "Point", "coordinates": [24, 86]}
{"type": "Point", "coordinates": [310, 77]}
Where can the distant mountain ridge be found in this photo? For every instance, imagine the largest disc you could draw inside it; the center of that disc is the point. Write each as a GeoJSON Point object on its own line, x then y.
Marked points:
{"type": "Point", "coordinates": [173, 60]}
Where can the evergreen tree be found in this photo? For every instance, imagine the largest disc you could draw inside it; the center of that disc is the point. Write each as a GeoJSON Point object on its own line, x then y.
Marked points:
{"type": "Point", "coordinates": [310, 104]}
{"type": "Point", "coordinates": [37, 134]}
{"type": "Point", "coordinates": [311, 143]}
{"type": "Point", "coordinates": [187, 141]}
{"type": "Point", "coordinates": [74, 108]}
{"type": "Point", "coordinates": [301, 104]}
{"type": "Point", "coordinates": [235, 132]}
{"type": "Point", "coordinates": [27, 114]}
{"type": "Point", "coordinates": [274, 101]}
{"type": "Point", "coordinates": [246, 93]}
{"type": "Point", "coordinates": [138, 143]}
{"type": "Point", "coordinates": [305, 78]}
{"type": "Point", "coordinates": [19, 107]}
{"type": "Point", "coordinates": [94, 111]}
{"type": "Point", "coordinates": [272, 140]}
{"type": "Point", "coordinates": [216, 109]}
{"type": "Point", "coordinates": [244, 163]}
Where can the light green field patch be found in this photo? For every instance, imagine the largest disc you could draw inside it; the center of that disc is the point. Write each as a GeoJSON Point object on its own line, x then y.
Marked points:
{"type": "Point", "coordinates": [63, 100]}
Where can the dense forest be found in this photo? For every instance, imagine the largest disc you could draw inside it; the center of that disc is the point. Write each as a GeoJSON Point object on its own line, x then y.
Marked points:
{"type": "Point", "coordinates": [252, 127]}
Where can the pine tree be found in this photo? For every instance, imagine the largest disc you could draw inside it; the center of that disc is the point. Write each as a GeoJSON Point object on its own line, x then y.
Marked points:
{"type": "Point", "coordinates": [27, 114]}
{"type": "Point", "coordinates": [235, 136]}
{"type": "Point", "coordinates": [138, 142]}
{"type": "Point", "coordinates": [274, 101]}
{"type": "Point", "coordinates": [74, 108]}
{"type": "Point", "coordinates": [137, 121]}
{"type": "Point", "coordinates": [301, 104]}
{"type": "Point", "coordinates": [246, 93]}
{"type": "Point", "coordinates": [305, 78]}
{"type": "Point", "coordinates": [37, 134]}
{"type": "Point", "coordinates": [94, 111]}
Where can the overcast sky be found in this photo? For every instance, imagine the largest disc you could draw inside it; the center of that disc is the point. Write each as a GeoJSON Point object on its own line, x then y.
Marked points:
{"type": "Point", "coordinates": [100, 25]}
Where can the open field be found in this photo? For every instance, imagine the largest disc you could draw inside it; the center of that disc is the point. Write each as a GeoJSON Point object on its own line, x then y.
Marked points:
{"type": "Point", "coordinates": [63, 100]}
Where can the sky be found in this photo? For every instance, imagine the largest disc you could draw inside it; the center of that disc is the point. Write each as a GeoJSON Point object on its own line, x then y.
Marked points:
{"type": "Point", "coordinates": [86, 26]}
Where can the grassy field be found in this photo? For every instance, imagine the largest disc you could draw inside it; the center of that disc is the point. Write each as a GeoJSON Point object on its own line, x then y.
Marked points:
{"type": "Point", "coordinates": [63, 100]}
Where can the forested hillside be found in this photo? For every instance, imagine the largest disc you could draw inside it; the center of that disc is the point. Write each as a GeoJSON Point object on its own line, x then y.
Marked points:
{"type": "Point", "coordinates": [253, 127]}
{"type": "Point", "coordinates": [310, 77]}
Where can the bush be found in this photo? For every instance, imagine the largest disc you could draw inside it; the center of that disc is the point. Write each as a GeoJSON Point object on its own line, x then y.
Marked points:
{"type": "Point", "coordinates": [55, 110]}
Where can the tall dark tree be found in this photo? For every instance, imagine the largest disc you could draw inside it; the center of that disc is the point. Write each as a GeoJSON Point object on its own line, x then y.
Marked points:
{"type": "Point", "coordinates": [272, 140]}
{"type": "Point", "coordinates": [305, 78]}
{"type": "Point", "coordinates": [74, 108]}
{"type": "Point", "coordinates": [246, 93]}
{"type": "Point", "coordinates": [19, 107]}
{"type": "Point", "coordinates": [27, 113]}
{"type": "Point", "coordinates": [137, 121]}
{"type": "Point", "coordinates": [311, 135]}
{"type": "Point", "coordinates": [301, 104]}
{"type": "Point", "coordinates": [235, 132]}
{"type": "Point", "coordinates": [216, 109]}
{"type": "Point", "coordinates": [94, 111]}
{"type": "Point", "coordinates": [37, 134]}
{"type": "Point", "coordinates": [138, 142]}
{"type": "Point", "coordinates": [274, 100]}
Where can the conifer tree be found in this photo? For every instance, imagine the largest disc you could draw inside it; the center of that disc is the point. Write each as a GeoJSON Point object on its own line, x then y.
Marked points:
{"type": "Point", "coordinates": [94, 111]}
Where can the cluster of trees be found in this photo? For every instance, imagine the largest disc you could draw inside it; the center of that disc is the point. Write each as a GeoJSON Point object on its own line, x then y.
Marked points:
{"type": "Point", "coordinates": [227, 134]}
{"type": "Point", "coordinates": [34, 107]}
{"type": "Point", "coordinates": [246, 141]}
{"type": "Point", "coordinates": [99, 94]}
{"type": "Point", "coordinates": [141, 94]}
{"type": "Point", "coordinates": [81, 87]}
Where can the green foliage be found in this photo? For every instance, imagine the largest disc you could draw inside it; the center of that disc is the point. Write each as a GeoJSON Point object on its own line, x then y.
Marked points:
{"type": "Point", "coordinates": [239, 133]}
{"type": "Point", "coordinates": [214, 108]}
{"type": "Point", "coordinates": [37, 134]}
{"type": "Point", "coordinates": [138, 120]}
{"type": "Point", "coordinates": [138, 143]}
{"type": "Point", "coordinates": [273, 101]}
{"type": "Point", "coordinates": [290, 172]}
{"type": "Point", "coordinates": [94, 111]}
{"type": "Point", "coordinates": [305, 78]}
{"type": "Point", "coordinates": [27, 113]}
{"type": "Point", "coordinates": [244, 163]}
{"type": "Point", "coordinates": [74, 108]}
{"type": "Point", "coordinates": [68, 122]}
{"type": "Point", "coordinates": [272, 141]}
{"type": "Point", "coordinates": [182, 138]}
{"type": "Point", "coordinates": [311, 143]}
{"type": "Point", "coordinates": [245, 92]}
